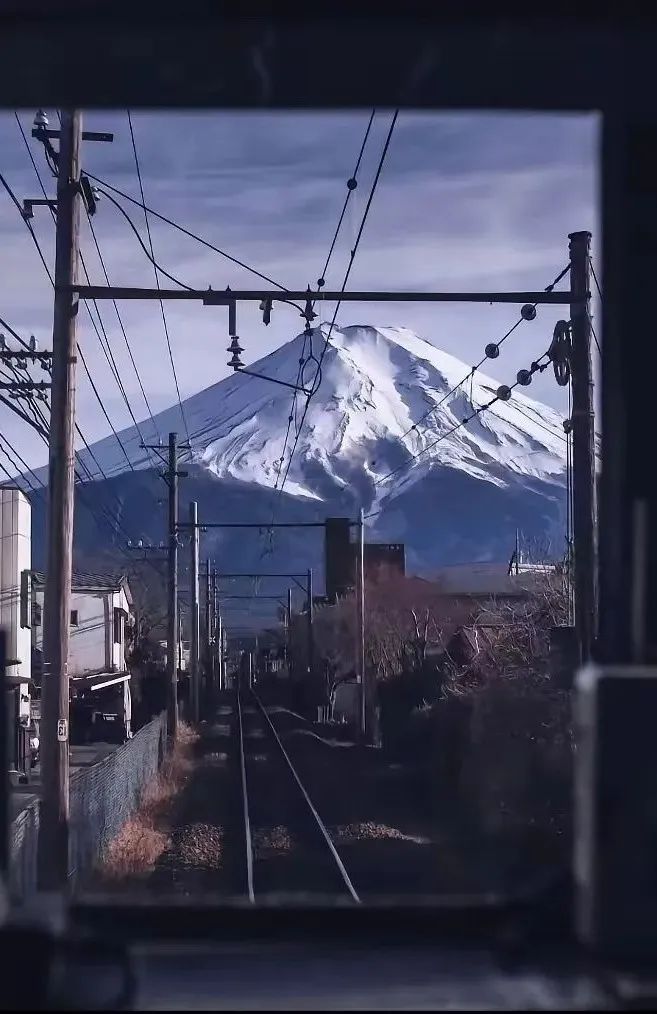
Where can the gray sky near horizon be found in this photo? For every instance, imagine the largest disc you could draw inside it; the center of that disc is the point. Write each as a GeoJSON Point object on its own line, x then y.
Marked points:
{"type": "Point", "coordinates": [465, 201]}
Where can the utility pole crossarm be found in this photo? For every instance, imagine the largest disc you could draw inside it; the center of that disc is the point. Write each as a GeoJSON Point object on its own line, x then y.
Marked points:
{"type": "Point", "coordinates": [225, 297]}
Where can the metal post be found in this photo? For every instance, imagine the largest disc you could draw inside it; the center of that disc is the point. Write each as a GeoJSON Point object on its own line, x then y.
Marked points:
{"type": "Point", "coordinates": [220, 655]}
{"type": "Point", "coordinates": [288, 646]}
{"type": "Point", "coordinates": [172, 629]}
{"type": "Point", "coordinates": [583, 444]}
{"type": "Point", "coordinates": [360, 626]}
{"type": "Point", "coordinates": [54, 812]}
{"type": "Point", "coordinates": [214, 669]}
{"type": "Point", "coordinates": [194, 617]}
{"type": "Point", "coordinates": [311, 633]}
{"type": "Point", "coordinates": [207, 653]}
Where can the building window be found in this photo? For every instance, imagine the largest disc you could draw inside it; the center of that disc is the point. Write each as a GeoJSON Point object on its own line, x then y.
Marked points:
{"type": "Point", "coordinates": [26, 598]}
{"type": "Point", "coordinates": [118, 626]}
{"type": "Point", "coordinates": [36, 614]}
{"type": "Point", "coordinates": [74, 618]}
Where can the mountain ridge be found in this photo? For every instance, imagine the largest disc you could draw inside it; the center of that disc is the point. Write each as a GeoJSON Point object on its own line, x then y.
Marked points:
{"type": "Point", "coordinates": [364, 421]}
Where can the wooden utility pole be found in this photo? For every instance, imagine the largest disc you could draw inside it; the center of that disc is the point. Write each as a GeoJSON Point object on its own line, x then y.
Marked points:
{"type": "Point", "coordinates": [583, 444]}
{"type": "Point", "coordinates": [194, 615]}
{"type": "Point", "coordinates": [172, 615]}
{"type": "Point", "coordinates": [360, 626]}
{"type": "Point", "coordinates": [54, 811]}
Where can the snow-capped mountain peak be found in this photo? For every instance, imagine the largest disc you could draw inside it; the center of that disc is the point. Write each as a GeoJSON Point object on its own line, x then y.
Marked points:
{"type": "Point", "coordinates": [367, 418]}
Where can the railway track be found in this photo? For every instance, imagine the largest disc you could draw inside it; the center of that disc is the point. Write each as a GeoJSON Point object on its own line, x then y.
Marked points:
{"type": "Point", "coordinates": [287, 848]}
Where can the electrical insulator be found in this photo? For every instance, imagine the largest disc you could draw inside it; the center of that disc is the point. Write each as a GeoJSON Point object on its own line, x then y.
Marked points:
{"type": "Point", "coordinates": [524, 378]}
{"type": "Point", "coordinates": [492, 351]}
{"type": "Point", "coordinates": [3, 343]}
{"type": "Point", "coordinates": [504, 392]}
{"type": "Point", "coordinates": [235, 348]}
{"type": "Point", "coordinates": [308, 312]}
{"type": "Point", "coordinates": [266, 306]}
{"type": "Point", "coordinates": [40, 120]}
{"type": "Point", "coordinates": [352, 183]}
{"type": "Point", "coordinates": [321, 282]}
{"type": "Point", "coordinates": [32, 343]}
{"type": "Point", "coordinates": [568, 425]}
{"type": "Point", "coordinates": [528, 312]}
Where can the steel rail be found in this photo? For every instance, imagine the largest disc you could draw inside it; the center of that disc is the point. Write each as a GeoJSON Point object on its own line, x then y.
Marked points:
{"type": "Point", "coordinates": [320, 823]}
{"type": "Point", "coordinates": [245, 803]}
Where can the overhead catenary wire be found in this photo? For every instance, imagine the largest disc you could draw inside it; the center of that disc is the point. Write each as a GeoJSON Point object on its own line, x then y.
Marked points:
{"type": "Point", "coordinates": [473, 369]}
{"type": "Point", "coordinates": [156, 275]}
{"type": "Point", "coordinates": [352, 182]}
{"type": "Point", "coordinates": [459, 425]}
{"type": "Point", "coordinates": [352, 258]}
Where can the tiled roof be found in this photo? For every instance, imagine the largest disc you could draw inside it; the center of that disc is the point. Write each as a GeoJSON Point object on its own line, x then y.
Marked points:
{"type": "Point", "coordinates": [105, 578]}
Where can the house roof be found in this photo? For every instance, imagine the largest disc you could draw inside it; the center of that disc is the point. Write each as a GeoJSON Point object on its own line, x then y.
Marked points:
{"type": "Point", "coordinates": [82, 580]}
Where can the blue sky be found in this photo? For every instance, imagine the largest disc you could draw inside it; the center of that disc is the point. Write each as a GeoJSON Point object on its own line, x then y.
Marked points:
{"type": "Point", "coordinates": [464, 202]}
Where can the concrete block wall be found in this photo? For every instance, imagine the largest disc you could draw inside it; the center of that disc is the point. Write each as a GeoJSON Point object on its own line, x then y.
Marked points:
{"type": "Point", "coordinates": [103, 797]}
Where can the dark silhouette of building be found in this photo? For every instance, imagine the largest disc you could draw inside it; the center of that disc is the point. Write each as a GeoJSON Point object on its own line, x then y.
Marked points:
{"type": "Point", "coordinates": [340, 558]}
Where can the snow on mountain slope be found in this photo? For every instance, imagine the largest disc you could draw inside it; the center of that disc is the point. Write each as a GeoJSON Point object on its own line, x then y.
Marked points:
{"type": "Point", "coordinates": [376, 384]}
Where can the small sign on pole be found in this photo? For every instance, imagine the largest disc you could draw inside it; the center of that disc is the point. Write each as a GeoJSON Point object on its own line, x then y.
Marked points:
{"type": "Point", "coordinates": [62, 730]}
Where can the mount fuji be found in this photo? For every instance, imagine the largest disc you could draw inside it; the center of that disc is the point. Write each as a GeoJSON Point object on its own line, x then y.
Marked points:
{"type": "Point", "coordinates": [459, 500]}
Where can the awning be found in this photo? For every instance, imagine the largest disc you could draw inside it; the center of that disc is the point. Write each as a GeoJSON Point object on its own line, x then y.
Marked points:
{"type": "Point", "coordinates": [99, 680]}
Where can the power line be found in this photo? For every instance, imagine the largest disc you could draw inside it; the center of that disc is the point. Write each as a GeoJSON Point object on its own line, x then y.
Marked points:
{"type": "Point", "coordinates": [105, 347]}
{"type": "Point", "coordinates": [597, 285]}
{"type": "Point", "coordinates": [28, 226]}
{"type": "Point", "coordinates": [595, 277]}
{"type": "Point", "coordinates": [4, 443]}
{"type": "Point", "coordinates": [352, 182]}
{"type": "Point", "coordinates": [123, 330]}
{"type": "Point", "coordinates": [150, 256]}
{"type": "Point", "coordinates": [463, 422]}
{"type": "Point", "coordinates": [471, 372]}
{"type": "Point", "coordinates": [155, 271]}
{"type": "Point", "coordinates": [98, 398]}
{"type": "Point", "coordinates": [43, 261]}
{"type": "Point", "coordinates": [187, 232]}
{"type": "Point", "coordinates": [351, 186]}
{"type": "Point", "coordinates": [352, 257]}
{"type": "Point", "coordinates": [595, 337]}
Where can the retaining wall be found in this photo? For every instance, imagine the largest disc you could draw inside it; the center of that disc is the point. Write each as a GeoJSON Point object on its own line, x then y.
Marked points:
{"type": "Point", "coordinates": [103, 796]}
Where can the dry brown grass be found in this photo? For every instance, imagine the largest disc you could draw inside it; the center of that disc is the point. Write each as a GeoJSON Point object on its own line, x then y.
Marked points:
{"type": "Point", "coordinates": [145, 836]}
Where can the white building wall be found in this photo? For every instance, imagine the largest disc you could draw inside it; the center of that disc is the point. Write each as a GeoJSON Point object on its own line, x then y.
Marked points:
{"type": "Point", "coordinates": [92, 648]}
{"type": "Point", "coordinates": [15, 558]}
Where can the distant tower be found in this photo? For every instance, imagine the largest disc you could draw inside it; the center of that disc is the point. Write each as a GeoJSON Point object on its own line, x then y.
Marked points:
{"type": "Point", "coordinates": [338, 558]}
